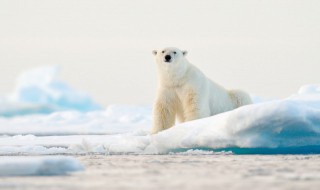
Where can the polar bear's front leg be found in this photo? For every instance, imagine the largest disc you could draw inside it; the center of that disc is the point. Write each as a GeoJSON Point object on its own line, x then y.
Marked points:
{"type": "Point", "coordinates": [163, 115]}
{"type": "Point", "coordinates": [191, 106]}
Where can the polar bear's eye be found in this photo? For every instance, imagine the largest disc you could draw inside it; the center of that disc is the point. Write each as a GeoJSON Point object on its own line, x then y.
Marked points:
{"type": "Point", "coordinates": [175, 52]}
{"type": "Point", "coordinates": [162, 51]}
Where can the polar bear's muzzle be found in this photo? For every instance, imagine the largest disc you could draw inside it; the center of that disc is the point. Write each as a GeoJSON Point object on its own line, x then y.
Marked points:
{"type": "Point", "coordinates": [167, 58]}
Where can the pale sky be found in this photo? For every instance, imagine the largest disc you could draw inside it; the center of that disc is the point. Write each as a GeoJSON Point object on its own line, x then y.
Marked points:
{"type": "Point", "coordinates": [267, 47]}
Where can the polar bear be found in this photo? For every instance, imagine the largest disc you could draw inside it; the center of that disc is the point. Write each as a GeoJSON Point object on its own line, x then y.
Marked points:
{"type": "Point", "coordinates": [184, 93]}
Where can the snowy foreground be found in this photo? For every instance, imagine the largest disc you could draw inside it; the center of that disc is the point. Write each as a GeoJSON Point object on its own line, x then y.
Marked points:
{"type": "Point", "coordinates": [176, 171]}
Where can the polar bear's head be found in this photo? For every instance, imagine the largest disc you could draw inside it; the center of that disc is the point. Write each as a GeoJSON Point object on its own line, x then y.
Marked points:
{"type": "Point", "coordinates": [169, 55]}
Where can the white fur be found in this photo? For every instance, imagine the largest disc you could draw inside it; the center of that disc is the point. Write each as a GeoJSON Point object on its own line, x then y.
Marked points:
{"type": "Point", "coordinates": [185, 93]}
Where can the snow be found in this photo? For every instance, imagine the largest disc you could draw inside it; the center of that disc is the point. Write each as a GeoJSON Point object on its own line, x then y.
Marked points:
{"type": "Point", "coordinates": [40, 91]}
{"type": "Point", "coordinates": [113, 120]}
{"type": "Point", "coordinates": [34, 166]}
{"type": "Point", "coordinates": [282, 124]}
{"type": "Point", "coordinates": [200, 152]}
{"type": "Point", "coordinates": [77, 126]}
{"type": "Point", "coordinates": [286, 125]}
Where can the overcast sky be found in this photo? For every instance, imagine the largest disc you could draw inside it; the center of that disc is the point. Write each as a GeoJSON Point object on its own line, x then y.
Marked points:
{"type": "Point", "coordinates": [266, 47]}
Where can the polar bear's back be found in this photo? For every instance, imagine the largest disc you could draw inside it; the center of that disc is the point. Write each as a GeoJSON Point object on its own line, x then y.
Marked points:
{"type": "Point", "coordinates": [219, 99]}
{"type": "Point", "coordinates": [215, 99]}
{"type": "Point", "coordinates": [212, 97]}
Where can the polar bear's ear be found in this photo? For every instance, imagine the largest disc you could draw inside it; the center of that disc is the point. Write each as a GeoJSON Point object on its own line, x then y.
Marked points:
{"type": "Point", "coordinates": [154, 52]}
{"type": "Point", "coordinates": [184, 53]}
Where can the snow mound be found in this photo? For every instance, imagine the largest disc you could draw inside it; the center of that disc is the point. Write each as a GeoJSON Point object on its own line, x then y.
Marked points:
{"type": "Point", "coordinates": [271, 125]}
{"type": "Point", "coordinates": [40, 91]}
{"type": "Point", "coordinates": [35, 166]}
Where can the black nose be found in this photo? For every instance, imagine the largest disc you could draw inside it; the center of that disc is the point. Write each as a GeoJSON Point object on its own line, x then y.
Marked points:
{"type": "Point", "coordinates": [167, 57]}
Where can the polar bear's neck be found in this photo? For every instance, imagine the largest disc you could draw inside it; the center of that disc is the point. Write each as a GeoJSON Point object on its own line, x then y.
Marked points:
{"type": "Point", "coordinates": [174, 75]}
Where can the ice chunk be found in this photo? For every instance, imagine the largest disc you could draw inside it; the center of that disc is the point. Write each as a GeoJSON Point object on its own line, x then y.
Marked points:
{"type": "Point", "coordinates": [40, 91]}
{"type": "Point", "coordinates": [310, 89]}
{"type": "Point", "coordinates": [48, 165]}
